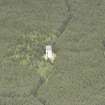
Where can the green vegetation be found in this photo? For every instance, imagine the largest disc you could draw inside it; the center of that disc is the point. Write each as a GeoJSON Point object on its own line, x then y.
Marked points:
{"type": "Point", "coordinates": [29, 48]}
{"type": "Point", "coordinates": [77, 77]}
{"type": "Point", "coordinates": [45, 69]}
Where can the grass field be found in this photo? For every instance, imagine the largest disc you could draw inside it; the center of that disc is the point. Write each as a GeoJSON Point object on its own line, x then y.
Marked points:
{"type": "Point", "coordinates": [77, 76]}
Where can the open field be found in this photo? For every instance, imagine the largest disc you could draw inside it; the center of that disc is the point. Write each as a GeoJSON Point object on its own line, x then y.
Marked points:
{"type": "Point", "coordinates": [76, 27]}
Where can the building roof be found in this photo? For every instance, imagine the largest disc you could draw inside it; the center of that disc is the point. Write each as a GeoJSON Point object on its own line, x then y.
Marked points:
{"type": "Point", "coordinates": [48, 47]}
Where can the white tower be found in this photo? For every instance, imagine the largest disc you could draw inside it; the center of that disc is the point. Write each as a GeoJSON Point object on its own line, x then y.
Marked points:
{"type": "Point", "coordinates": [49, 54]}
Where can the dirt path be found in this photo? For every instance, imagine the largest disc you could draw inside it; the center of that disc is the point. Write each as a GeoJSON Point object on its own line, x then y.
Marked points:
{"type": "Point", "coordinates": [59, 33]}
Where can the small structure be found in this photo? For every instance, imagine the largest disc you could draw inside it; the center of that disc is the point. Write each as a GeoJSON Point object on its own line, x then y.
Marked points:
{"type": "Point", "coordinates": [49, 54]}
